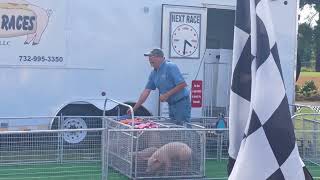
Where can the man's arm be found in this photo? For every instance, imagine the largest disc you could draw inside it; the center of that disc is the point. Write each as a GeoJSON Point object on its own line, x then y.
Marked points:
{"type": "Point", "coordinates": [143, 97]}
{"type": "Point", "coordinates": [174, 90]}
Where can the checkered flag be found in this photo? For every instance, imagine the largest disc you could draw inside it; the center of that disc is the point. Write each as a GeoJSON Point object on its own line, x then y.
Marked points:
{"type": "Point", "coordinates": [262, 140]}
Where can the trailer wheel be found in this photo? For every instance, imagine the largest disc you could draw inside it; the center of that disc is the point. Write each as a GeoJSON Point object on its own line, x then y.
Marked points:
{"type": "Point", "coordinates": [79, 137]}
{"type": "Point", "coordinates": [74, 123]}
{"type": "Point", "coordinates": [82, 120]}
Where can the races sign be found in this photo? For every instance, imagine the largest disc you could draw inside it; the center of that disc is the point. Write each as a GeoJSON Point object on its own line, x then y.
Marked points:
{"type": "Point", "coordinates": [32, 32]}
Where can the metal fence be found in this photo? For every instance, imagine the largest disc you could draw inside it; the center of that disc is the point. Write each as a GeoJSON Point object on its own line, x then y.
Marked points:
{"type": "Point", "coordinates": [148, 153]}
{"type": "Point", "coordinates": [216, 138]}
{"type": "Point", "coordinates": [307, 127]}
{"type": "Point", "coordinates": [49, 154]}
{"type": "Point", "coordinates": [217, 75]}
{"type": "Point", "coordinates": [301, 108]}
{"type": "Point", "coordinates": [44, 154]}
{"type": "Point", "coordinates": [142, 161]}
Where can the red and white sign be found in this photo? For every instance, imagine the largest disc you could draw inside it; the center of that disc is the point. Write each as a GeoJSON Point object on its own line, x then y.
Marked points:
{"type": "Point", "coordinates": [196, 94]}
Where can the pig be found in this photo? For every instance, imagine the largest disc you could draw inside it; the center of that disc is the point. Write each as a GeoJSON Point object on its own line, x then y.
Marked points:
{"type": "Point", "coordinates": [165, 155]}
{"type": "Point", "coordinates": [35, 29]}
{"type": "Point", "coordinates": [145, 154]}
{"type": "Point", "coordinates": [141, 158]}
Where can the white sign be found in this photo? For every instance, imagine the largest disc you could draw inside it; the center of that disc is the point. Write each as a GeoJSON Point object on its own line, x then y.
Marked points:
{"type": "Point", "coordinates": [183, 41]}
{"type": "Point", "coordinates": [185, 35]}
{"type": "Point", "coordinates": [32, 32]}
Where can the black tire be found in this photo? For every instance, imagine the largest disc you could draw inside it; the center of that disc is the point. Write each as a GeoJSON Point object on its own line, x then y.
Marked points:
{"type": "Point", "coordinates": [83, 110]}
{"type": "Point", "coordinates": [122, 110]}
{"type": "Point", "coordinates": [92, 139]}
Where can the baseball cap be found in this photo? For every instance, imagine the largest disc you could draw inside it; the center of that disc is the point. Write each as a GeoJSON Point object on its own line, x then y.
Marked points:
{"type": "Point", "coordinates": [155, 52]}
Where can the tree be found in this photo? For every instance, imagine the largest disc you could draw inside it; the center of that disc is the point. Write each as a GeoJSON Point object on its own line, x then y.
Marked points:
{"type": "Point", "coordinates": [305, 2]}
{"type": "Point", "coordinates": [316, 34]}
{"type": "Point", "coordinates": [305, 45]}
{"type": "Point", "coordinates": [316, 30]}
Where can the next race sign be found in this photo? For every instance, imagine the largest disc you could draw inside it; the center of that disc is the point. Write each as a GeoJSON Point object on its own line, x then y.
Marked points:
{"type": "Point", "coordinates": [185, 35]}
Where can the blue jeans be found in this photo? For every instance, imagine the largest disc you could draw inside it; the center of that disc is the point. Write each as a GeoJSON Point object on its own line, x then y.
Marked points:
{"type": "Point", "coordinates": [180, 112]}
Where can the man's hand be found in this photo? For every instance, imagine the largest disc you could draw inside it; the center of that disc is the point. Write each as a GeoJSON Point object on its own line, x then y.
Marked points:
{"type": "Point", "coordinates": [164, 97]}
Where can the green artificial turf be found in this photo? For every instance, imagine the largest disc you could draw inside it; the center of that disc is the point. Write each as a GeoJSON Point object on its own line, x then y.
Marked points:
{"type": "Point", "coordinates": [92, 171]}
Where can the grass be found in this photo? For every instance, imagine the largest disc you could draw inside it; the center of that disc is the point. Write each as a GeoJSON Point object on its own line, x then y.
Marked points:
{"type": "Point", "coordinates": [55, 171]}
{"type": "Point", "coordinates": [92, 171]}
{"type": "Point", "coordinates": [313, 169]}
{"type": "Point", "coordinates": [299, 119]}
{"type": "Point", "coordinates": [218, 170]}
{"type": "Point", "coordinates": [310, 74]}
{"type": "Point", "coordinates": [51, 171]}
{"type": "Point", "coordinates": [215, 169]}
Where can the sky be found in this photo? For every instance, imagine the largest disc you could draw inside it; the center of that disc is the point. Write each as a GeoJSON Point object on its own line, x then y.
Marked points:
{"type": "Point", "coordinates": [306, 13]}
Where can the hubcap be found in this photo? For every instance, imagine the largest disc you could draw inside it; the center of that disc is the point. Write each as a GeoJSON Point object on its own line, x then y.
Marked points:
{"type": "Point", "coordinates": [74, 123]}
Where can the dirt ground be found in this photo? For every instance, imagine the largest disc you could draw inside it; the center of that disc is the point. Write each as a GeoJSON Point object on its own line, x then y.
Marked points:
{"type": "Point", "coordinates": [313, 100]}
{"type": "Point", "coordinates": [303, 79]}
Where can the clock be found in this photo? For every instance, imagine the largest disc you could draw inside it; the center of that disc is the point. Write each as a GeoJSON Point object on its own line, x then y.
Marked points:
{"type": "Point", "coordinates": [185, 40]}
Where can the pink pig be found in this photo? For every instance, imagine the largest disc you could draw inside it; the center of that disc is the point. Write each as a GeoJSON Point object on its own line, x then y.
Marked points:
{"type": "Point", "coordinates": [168, 153]}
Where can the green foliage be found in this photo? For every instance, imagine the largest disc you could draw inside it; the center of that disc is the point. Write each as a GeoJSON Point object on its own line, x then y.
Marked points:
{"type": "Point", "coordinates": [305, 32]}
{"type": "Point", "coordinates": [306, 69]}
{"type": "Point", "coordinates": [298, 88]}
{"type": "Point", "coordinates": [316, 34]}
{"type": "Point", "coordinates": [305, 42]}
{"type": "Point", "coordinates": [309, 88]}
{"type": "Point", "coordinates": [305, 2]}
{"type": "Point", "coordinates": [310, 51]}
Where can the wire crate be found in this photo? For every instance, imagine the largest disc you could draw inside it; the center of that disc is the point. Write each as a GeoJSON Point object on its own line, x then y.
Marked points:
{"type": "Point", "coordinates": [130, 150]}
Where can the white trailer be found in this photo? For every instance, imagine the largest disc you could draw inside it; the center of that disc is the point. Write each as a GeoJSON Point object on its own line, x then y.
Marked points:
{"type": "Point", "coordinates": [58, 56]}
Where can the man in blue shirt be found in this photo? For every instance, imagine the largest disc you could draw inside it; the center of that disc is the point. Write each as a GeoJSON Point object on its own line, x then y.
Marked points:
{"type": "Point", "coordinates": [167, 77]}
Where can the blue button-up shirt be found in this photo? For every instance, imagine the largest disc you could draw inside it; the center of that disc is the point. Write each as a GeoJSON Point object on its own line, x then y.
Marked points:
{"type": "Point", "coordinates": [166, 78]}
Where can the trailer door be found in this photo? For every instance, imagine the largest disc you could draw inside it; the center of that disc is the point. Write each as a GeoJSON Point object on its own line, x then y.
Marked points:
{"type": "Point", "coordinates": [183, 40]}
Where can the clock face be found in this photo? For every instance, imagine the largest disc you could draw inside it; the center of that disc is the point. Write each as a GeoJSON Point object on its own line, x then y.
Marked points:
{"type": "Point", "coordinates": [185, 40]}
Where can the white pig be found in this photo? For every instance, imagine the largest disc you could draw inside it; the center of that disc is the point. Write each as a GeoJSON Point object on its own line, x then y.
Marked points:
{"type": "Point", "coordinates": [168, 153]}
{"type": "Point", "coordinates": [141, 158]}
